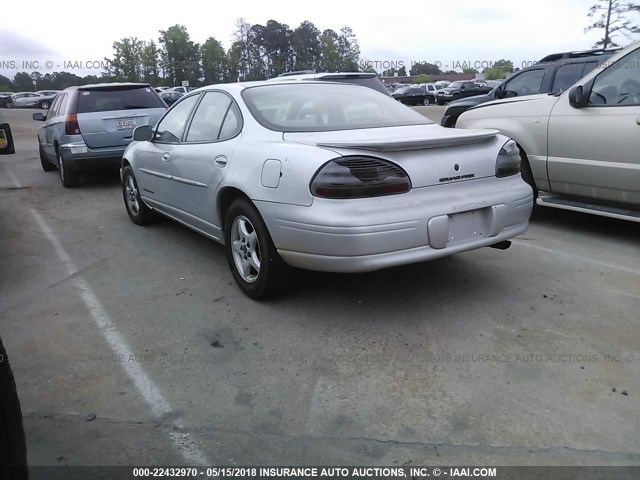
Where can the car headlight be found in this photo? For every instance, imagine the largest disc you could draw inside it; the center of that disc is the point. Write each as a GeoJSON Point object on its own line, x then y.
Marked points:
{"type": "Point", "coordinates": [508, 161]}
{"type": "Point", "coordinates": [359, 177]}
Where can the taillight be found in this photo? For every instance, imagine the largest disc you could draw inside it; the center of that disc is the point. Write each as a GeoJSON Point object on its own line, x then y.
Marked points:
{"type": "Point", "coordinates": [508, 160]}
{"type": "Point", "coordinates": [359, 177]}
{"type": "Point", "coordinates": [71, 126]}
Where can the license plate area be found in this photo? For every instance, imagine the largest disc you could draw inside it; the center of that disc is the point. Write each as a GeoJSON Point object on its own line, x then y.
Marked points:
{"type": "Point", "coordinates": [126, 123]}
{"type": "Point", "coordinates": [468, 226]}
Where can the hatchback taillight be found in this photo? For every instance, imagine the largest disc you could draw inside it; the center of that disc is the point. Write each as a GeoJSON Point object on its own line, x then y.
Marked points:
{"type": "Point", "coordinates": [359, 177]}
{"type": "Point", "coordinates": [71, 126]}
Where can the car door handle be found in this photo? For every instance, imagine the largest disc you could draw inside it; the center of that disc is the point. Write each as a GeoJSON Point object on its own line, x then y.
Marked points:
{"type": "Point", "coordinates": [221, 161]}
{"type": "Point", "coordinates": [165, 157]}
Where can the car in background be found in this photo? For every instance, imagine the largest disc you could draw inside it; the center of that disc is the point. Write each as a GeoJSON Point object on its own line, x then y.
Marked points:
{"type": "Point", "coordinates": [5, 98]}
{"type": "Point", "coordinates": [460, 89]}
{"type": "Point", "coordinates": [369, 80]}
{"type": "Point", "coordinates": [430, 92]}
{"type": "Point", "coordinates": [47, 98]}
{"type": "Point", "coordinates": [88, 127]}
{"type": "Point", "coordinates": [580, 146]}
{"type": "Point", "coordinates": [170, 97]}
{"type": "Point", "coordinates": [160, 89]}
{"type": "Point", "coordinates": [410, 95]}
{"type": "Point", "coordinates": [322, 176]}
{"type": "Point", "coordinates": [180, 89]}
{"type": "Point", "coordinates": [442, 84]}
{"type": "Point", "coordinates": [553, 74]}
{"type": "Point", "coordinates": [24, 100]}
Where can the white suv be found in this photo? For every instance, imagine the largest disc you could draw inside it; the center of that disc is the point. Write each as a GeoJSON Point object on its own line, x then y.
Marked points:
{"type": "Point", "coordinates": [370, 80]}
{"type": "Point", "coordinates": [580, 149]}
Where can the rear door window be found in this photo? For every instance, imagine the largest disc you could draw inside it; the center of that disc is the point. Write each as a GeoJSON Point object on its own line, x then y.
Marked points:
{"type": "Point", "coordinates": [567, 75]}
{"type": "Point", "coordinates": [117, 98]}
{"type": "Point", "coordinates": [207, 121]}
{"type": "Point", "coordinates": [172, 126]}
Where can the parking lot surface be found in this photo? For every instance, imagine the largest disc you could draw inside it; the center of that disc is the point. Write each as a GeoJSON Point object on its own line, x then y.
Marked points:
{"type": "Point", "coordinates": [133, 345]}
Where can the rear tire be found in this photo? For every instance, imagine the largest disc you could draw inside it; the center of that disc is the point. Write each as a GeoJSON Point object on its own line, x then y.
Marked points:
{"type": "Point", "coordinates": [69, 178]}
{"type": "Point", "coordinates": [47, 166]}
{"type": "Point", "coordinates": [13, 448]}
{"type": "Point", "coordinates": [248, 244]}
{"type": "Point", "coordinates": [427, 101]}
{"type": "Point", "coordinates": [138, 211]}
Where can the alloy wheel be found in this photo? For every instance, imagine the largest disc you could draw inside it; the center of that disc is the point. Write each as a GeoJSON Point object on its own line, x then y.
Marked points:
{"type": "Point", "coordinates": [245, 249]}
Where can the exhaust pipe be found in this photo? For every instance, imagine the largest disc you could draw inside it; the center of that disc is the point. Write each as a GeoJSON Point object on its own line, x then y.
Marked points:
{"type": "Point", "coordinates": [501, 245]}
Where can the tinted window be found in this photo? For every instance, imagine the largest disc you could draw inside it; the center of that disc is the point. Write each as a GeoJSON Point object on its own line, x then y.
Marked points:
{"type": "Point", "coordinates": [619, 84]}
{"type": "Point", "coordinates": [527, 83]}
{"type": "Point", "coordinates": [174, 122]}
{"type": "Point", "coordinates": [588, 67]}
{"type": "Point", "coordinates": [567, 75]}
{"type": "Point", "coordinates": [319, 106]}
{"type": "Point", "coordinates": [117, 98]}
{"type": "Point", "coordinates": [207, 121]}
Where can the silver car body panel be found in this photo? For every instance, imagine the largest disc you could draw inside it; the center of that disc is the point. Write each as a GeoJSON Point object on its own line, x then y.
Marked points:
{"type": "Point", "coordinates": [441, 215]}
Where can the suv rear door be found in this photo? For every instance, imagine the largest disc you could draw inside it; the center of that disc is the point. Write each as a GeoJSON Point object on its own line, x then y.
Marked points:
{"type": "Point", "coordinates": [108, 114]}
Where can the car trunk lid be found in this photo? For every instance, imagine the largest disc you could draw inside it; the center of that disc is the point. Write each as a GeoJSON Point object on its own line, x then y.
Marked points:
{"type": "Point", "coordinates": [430, 154]}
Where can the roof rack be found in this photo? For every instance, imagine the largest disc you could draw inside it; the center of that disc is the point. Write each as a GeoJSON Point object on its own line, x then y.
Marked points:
{"type": "Point", "coordinates": [298, 72]}
{"type": "Point", "coordinates": [579, 54]}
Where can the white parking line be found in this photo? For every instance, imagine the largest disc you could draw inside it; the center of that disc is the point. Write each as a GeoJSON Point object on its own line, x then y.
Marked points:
{"type": "Point", "coordinates": [145, 386]}
{"type": "Point", "coordinates": [574, 256]}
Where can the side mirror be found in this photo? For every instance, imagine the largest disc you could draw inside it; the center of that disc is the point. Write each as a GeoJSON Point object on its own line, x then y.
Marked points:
{"type": "Point", "coordinates": [6, 140]}
{"type": "Point", "coordinates": [143, 133]}
{"type": "Point", "coordinates": [500, 92]}
{"type": "Point", "coordinates": [39, 117]}
{"type": "Point", "coordinates": [510, 94]}
{"type": "Point", "coordinates": [577, 98]}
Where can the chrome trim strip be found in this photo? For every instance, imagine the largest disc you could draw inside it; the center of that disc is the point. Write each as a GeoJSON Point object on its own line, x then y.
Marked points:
{"type": "Point", "coordinates": [175, 179]}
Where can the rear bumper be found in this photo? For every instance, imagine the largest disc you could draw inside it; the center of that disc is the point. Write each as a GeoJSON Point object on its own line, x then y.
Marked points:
{"type": "Point", "coordinates": [78, 156]}
{"type": "Point", "coordinates": [374, 233]}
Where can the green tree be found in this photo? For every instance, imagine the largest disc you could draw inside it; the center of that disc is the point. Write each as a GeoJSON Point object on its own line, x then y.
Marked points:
{"type": "Point", "coordinates": [22, 82]}
{"type": "Point", "coordinates": [213, 61]}
{"type": "Point", "coordinates": [306, 47]}
{"type": "Point", "coordinates": [612, 16]}
{"type": "Point", "coordinates": [6, 84]}
{"type": "Point", "coordinates": [424, 68]}
{"type": "Point", "coordinates": [150, 62]}
{"type": "Point", "coordinates": [180, 57]}
{"type": "Point", "coordinates": [402, 71]}
{"type": "Point", "coordinates": [329, 53]}
{"type": "Point", "coordinates": [422, 78]}
{"type": "Point", "coordinates": [126, 62]}
{"type": "Point", "coordinates": [469, 70]}
{"type": "Point", "coordinates": [348, 49]}
{"type": "Point", "coordinates": [500, 69]}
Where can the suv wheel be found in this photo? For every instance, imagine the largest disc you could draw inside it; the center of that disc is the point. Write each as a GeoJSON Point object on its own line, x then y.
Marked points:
{"type": "Point", "coordinates": [69, 178]}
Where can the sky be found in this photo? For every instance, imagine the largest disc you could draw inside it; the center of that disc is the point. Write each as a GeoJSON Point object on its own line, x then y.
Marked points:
{"type": "Point", "coordinates": [448, 33]}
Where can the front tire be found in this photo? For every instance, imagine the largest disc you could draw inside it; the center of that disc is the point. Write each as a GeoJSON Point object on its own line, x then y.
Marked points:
{"type": "Point", "coordinates": [138, 211]}
{"type": "Point", "coordinates": [427, 101]}
{"type": "Point", "coordinates": [47, 166]}
{"type": "Point", "coordinates": [69, 178]}
{"type": "Point", "coordinates": [254, 261]}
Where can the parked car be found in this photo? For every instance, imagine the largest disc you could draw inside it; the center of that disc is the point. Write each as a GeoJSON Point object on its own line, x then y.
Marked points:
{"type": "Point", "coordinates": [460, 89]}
{"type": "Point", "coordinates": [410, 95]}
{"type": "Point", "coordinates": [26, 100]}
{"type": "Point", "coordinates": [431, 92]}
{"type": "Point", "coordinates": [89, 127]}
{"type": "Point", "coordinates": [5, 99]}
{"type": "Point", "coordinates": [370, 80]}
{"type": "Point", "coordinates": [160, 89]}
{"type": "Point", "coordinates": [580, 146]}
{"type": "Point", "coordinates": [171, 97]}
{"type": "Point", "coordinates": [181, 90]}
{"type": "Point", "coordinates": [48, 96]}
{"type": "Point", "coordinates": [442, 84]}
{"type": "Point", "coordinates": [553, 74]}
{"type": "Point", "coordinates": [13, 454]}
{"type": "Point", "coordinates": [322, 176]}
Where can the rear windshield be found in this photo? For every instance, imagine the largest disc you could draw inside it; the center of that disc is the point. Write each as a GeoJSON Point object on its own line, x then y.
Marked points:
{"type": "Point", "coordinates": [371, 82]}
{"type": "Point", "coordinates": [117, 98]}
{"type": "Point", "coordinates": [321, 107]}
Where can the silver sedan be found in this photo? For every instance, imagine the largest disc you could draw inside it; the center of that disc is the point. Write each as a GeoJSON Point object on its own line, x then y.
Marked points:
{"type": "Point", "coordinates": [322, 176]}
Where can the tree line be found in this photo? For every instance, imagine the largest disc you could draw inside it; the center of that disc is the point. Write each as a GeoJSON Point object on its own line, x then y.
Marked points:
{"type": "Point", "coordinates": [265, 51]}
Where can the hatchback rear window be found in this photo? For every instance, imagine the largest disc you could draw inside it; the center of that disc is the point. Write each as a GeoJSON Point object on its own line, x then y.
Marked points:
{"type": "Point", "coordinates": [117, 98]}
